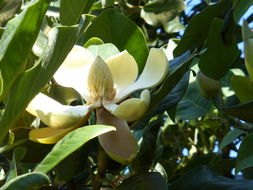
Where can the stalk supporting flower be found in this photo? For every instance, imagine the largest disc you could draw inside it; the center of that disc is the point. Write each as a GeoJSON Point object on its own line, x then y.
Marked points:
{"type": "Point", "coordinates": [105, 86]}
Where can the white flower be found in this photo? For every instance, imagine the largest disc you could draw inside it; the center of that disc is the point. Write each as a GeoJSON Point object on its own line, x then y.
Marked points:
{"type": "Point", "coordinates": [105, 86]}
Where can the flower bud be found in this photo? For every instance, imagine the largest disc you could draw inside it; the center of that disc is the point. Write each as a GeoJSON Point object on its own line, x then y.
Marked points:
{"type": "Point", "coordinates": [208, 87]}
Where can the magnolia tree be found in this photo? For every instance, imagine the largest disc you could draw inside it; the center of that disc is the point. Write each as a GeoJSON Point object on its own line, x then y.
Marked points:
{"type": "Point", "coordinates": [126, 94]}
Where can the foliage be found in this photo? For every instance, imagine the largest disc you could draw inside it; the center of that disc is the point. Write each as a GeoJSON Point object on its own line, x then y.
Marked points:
{"type": "Point", "coordinates": [186, 136]}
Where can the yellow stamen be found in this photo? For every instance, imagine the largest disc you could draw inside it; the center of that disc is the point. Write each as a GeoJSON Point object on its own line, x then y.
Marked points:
{"type": "Point", "coordinates": [100, 81]}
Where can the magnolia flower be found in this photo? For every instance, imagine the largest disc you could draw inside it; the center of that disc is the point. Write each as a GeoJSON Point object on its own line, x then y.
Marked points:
{"type": "Point", "coordinates": [105, 86]}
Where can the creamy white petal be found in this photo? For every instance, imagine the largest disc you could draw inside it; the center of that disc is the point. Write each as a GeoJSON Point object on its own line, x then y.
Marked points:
{"type": "Point", "coordinates": [120, 145]}
{"type": "Point", "coordinates": [124, 69]}
{"type": "Point", "coordinates": [130, 109]}
{"type": "Point", "coordinates": [75, 69]}
{"type": "Point", "coordinates": [153, 74]}
{"type": "Point", "coordinates": [56, 115]}
{"type": "Point", "coordinates": [48, 135]}
{"type": "Point", "coordinates": [169, 50]}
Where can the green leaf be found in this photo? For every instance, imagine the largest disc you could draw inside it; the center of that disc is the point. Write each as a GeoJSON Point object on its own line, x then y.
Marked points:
{"type": "Point", "coordinates": [73, 164]}
{"type": "Point", "coordinates": [198, 27]}
{"type": "Point", "coordinates": [218, 56]}
{"type": "Point", "coordinates": [8, 9]}
{"type": "Point", "coordinates": [146, 155]}
{"type": "Point", "coordinates": [247, 36]}
{"type": "Point", "coordinates": [245, 154]}
{"type": "Point", "coordinates": [178, 67]}
{"type": "Point", "coordinates": [158, 6]}
{"type": "Point", "coordinates": [176, 94]}
{"type": "Point", "coordinates": [64, 95]}
{"type": "Point", "coordinates": [164, 97]}
{"type": "Point", "coordinates": [147, 181]}
{"type": "Point", "coordinates": [230, 137]}
{"type": "Point", "coordinates": [240, 7]}
{"type": "Point", "coordinates": [40, 44]}
{"type": "Point", "coordinates": [1, 31]}
{"type": "Point", "coordinates": [205, 179]}
{"type": "Point", "coordinates": [112, 27]}
{"type": "Point", "coordinates": [29, 83]}
{"type": "Point", "coordinates": [193, 104]}
{"type": "Point", "coordinates": [226, 89]}
{"type": "Point", "coordinates": [107, 3]}
{"type": "Point", "coordinates": [168, 102]}
{"type": "Point", "coordinates": [61, 41]}
{"type": "Point", "coordinates": [70, 143]}
{"type": "Point", "coordinates": [161, 11]}
{"type": "Point", "coordinates": [173, 26]}
{"type": "Point", "coordinates": [21, 136]}
{"type": "Point", "coordinates": [243, 88]}
{"type": "Point", "coordinates": [88, 5]}
{"type": "Point", "coordinates": [93, 41]}
{"type": "Point", "coordinates": [18, 155]}
{"type": "Point", "coordinates": [104, 50]}
{"type": "Point", "coordinates": [17, 41]}
{"type": "Point", "coordinates": [242, 111]}
{"type": "Point", "coordinates": [71, 11]}
{"type": "Point", "coordinates": [28, 181]}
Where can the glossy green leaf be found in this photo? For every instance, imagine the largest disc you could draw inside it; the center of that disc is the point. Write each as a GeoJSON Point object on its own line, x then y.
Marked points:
{"type": "Point", "coordinates": [70, 143]}
{"type": "Point", "coordinates": [1, 31]}
{"type": "Point", "coordinates": [104, 50]}
{"type": "Point", "coordinates": [240, 7]}
{"type": "Point", "coordinates": [245, 154]}
{"type": "Point", "coordinates": [40, 44]}
{"type": "Point", "coordinates": [247, 36]}
{"type": "Point", "coordinates": [146, 155]}
{"type": "Point", "coordinates": [71, 11]}
{"type": "Point", "coordinates": [198, 27]}
{"type": "Point", "coordinates": [73, 164]}
{"type": "Point", "coordinates": [159, 6]}
{"type": "Point", "coordinates": [241, 111]}
{"type": "Point", "coordinates": [161, 11]}
{"type": "Point", "coordinates": [27, 181]}
{"type": "Point", "coordinates": [176, 94]}
{"type": "Point", "coordinates": [243, 88]}
{"type": "Point", "coordinates": [18, 155]}
{"type": "Point", "coordinates": [61, 41]}
{"type": "Point", "coordinates": [125, 36]}
{"type": "Point", "coordinates": [178, 67]}
{"type": "Point", "coordinates": [64, 95]}
{"type": "Point", "coordinates": [173, 26]}
{"type": "Point", "coordinates": [168, 102]}
{"type": "Point", "coordinates": [218, 56]}
{"type": "Point", "coordinates": [147, 181]}
{"type": "Point", "coordinates": [93, 41]}
{"type": "Point", "coordinates": [206, 179]}
{"type": "Point", "coordinates": [171, 90]}
{"type": "Point", "coordinates": [107, 3]}
{"type": "Point", "coordinates": [17, 41]}
{"type": "Point", "coordinates": [193, 104]}
{"type": "Point", "coordinates": [8, 9]}
{"type": "Point", "coordinates": [227, 89]}
{"type": "Point", "coordinates": [230, 137]}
